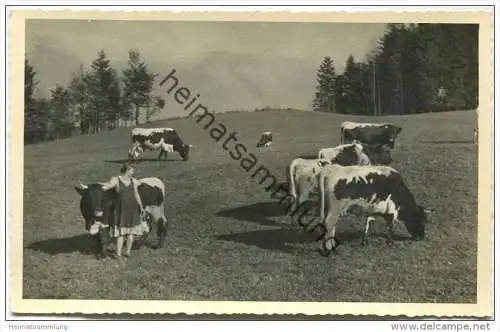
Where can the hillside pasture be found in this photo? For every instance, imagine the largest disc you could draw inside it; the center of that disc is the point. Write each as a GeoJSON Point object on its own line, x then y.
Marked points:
{"type": "Point", "coordinates": [229, 240]}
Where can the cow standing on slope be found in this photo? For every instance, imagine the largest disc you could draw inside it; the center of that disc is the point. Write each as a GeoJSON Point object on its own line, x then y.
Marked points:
{"type": "Point", "coordinates": [97, 207]}
{"type": "Point", "coordinates": [369, 133]}
{"type": "Point", "coordinates": [303, 177]}
{"type": "Point", "coordinates": [265, 140]}
{"type": "Point", "coordinates": [304, 173]}
{"type": "Point", "coordinates": [373, 190]}
{"type": "Point", "coordinates": [163, 139]}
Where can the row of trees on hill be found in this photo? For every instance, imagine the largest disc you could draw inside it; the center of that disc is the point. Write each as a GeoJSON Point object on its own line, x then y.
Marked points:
{"type": "Point", "coordinates": [415, 68]}
{"type": "Point", "coordinates": [94, 100]}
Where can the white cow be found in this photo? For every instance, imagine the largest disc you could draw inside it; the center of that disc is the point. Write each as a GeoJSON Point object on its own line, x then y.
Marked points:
{"type": "Point", "coordinates": [303, 177]}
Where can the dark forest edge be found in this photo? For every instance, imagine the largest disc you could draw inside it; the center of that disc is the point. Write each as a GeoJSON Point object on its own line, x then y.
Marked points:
{"type": "Point", "coordinates": [416, 68]}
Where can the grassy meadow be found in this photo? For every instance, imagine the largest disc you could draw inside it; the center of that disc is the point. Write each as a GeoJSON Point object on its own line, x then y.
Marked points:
{"type": "Point", "coordinates": [229, 240]}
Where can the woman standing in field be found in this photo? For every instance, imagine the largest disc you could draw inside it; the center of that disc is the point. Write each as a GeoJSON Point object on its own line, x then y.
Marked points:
{"type": "Point", "coordinates": [128, 209]}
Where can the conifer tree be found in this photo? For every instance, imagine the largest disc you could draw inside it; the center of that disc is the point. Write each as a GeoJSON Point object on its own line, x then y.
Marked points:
{"type": "Point", "coordinates": [325, 90]}
{"type": "Point", "coordinates": [138, 85]}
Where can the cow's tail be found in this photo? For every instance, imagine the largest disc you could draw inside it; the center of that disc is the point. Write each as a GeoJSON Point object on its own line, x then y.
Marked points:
{"type": "Point", "coordinates": [163, 226]}
{"type": "Point", "coordinates": [293, 190]}
{"type": "Point", "coordinates": [322, 179]}
{"type": "Point", "coordinates": [162, 205]}
{"type": "Point", "coordinates": [342, 133]}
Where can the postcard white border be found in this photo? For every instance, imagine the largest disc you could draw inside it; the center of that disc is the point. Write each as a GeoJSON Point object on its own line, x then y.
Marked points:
{"type": "Point", "coordinates": [484, 305]}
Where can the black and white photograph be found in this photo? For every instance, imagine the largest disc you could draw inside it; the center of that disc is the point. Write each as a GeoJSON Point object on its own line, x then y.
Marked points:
{"type": "Point", "coordinates": [259, 160]}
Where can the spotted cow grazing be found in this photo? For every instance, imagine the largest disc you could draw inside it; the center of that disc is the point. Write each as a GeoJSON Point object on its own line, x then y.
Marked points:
{"type": "Point", "coordinates": [97, 209]}
{"type": "Point", "coordinates": [356, 154]}
{"type": "Point", "coordinates": [369, 133]}
{"type": "Point", "coordinates": [163, 139]}
{"type": "Point", "coordinates": [367, 190]}
{"type": "Point", "coordinates": [265, 140]}
{"type": "Point", "coordinates": [304, 173]}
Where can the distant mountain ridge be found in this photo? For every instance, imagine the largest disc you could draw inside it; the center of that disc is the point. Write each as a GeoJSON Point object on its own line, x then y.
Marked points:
{"type": "Point", "coordinates": [225, 81]}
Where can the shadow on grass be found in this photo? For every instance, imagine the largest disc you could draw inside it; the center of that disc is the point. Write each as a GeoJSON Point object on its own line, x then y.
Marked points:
{"type": "Point", "coordinates": [449, 142]}
{"type": "Point", "coordinates": [273, 239]}
{"type": "Point", "coordinates": [261, 212]}
{"type": "Point", "coordinates": [79, 243]}
{"type": "Point", "coordinates": [122, 161]}
{"type": "Point", "coordinates": [83, 243]}
{"type": "Point", "coordinates": [283, 239]}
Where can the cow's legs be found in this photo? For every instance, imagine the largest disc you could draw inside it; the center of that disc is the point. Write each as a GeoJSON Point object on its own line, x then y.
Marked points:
{"type": "Point", "coordinates": [295, 206]}
{"type": "Point", "coordinates": [141, 239]}
{"type": "Point", "coordinates": [298, 210]}
{"type": "Point", "coordinates": [98, 246]}
{"type": "Point", "coordinates": [102, 239]}
{"type": "Point", "coordinates": [162, 231]}
{"type": "Point", "coordinates": [316, 222]}
{"type": "Point", "coordinates": [329, 241]}
{"type": "Point", "coordinates": [156, 213]}
{"type": "Point", "coordinates": [163, 152]}
{"type": "Point", "coordinates": [160, 154]}
{"type": "Point", "coordinates": [369, 221]}
{"type": "Point", "coordinates": [134, 154]}
{"type": "Point", "coordinates": [389, 225]}
{"type": "Point", "coordinates": [105, 238]}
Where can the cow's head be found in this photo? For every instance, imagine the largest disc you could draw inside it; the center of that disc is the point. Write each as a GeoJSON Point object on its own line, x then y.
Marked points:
{"type": "Point", "coordinates": [397, 130]}
{"type": "Point", "coordinates": [392, 129]}
{"type": "Point", "coordinates": [184, 150]}
{"type": "Point", "coordinates": [378, 154]}
{"type": "Point", "coordinates": [415, 223]}
{"type": "Point", "coordinates": [322, 163]}
{"type": "Point", "coordinates": [391, 133]}
{"type": "Point", "coordinates": [134, 152]}
{"type": "Point", "coordinates": [95, 205]}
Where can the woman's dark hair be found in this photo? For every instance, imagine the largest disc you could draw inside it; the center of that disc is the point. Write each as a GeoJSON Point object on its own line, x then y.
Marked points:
{"type": "Point", "coordinates": [125, 168]}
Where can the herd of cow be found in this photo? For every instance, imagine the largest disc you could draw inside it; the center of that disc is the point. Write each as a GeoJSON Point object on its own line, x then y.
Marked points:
{"type": "Point", "coordinates": [353, 177]}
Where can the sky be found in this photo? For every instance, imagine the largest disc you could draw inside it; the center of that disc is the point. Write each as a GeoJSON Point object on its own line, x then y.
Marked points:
{"type": "Point", "coordinates": [232, 65]}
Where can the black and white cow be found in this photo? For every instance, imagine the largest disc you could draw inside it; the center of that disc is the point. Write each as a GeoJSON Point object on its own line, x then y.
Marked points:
{"type": "Point", "coordinates": [164, 139]}
{"type": "Point", "coordinates": [369, 133]}
{"type": "Point", "coordinates": [97, 207]}
{"type": "Point", "coordinates": [374, 190]}
{"type": "Point", "coordinates": [304, 173]}
{"type": "Point", "coordinates": [357, 154]}
{"type": "Point", "coordinates": [265, 140]}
